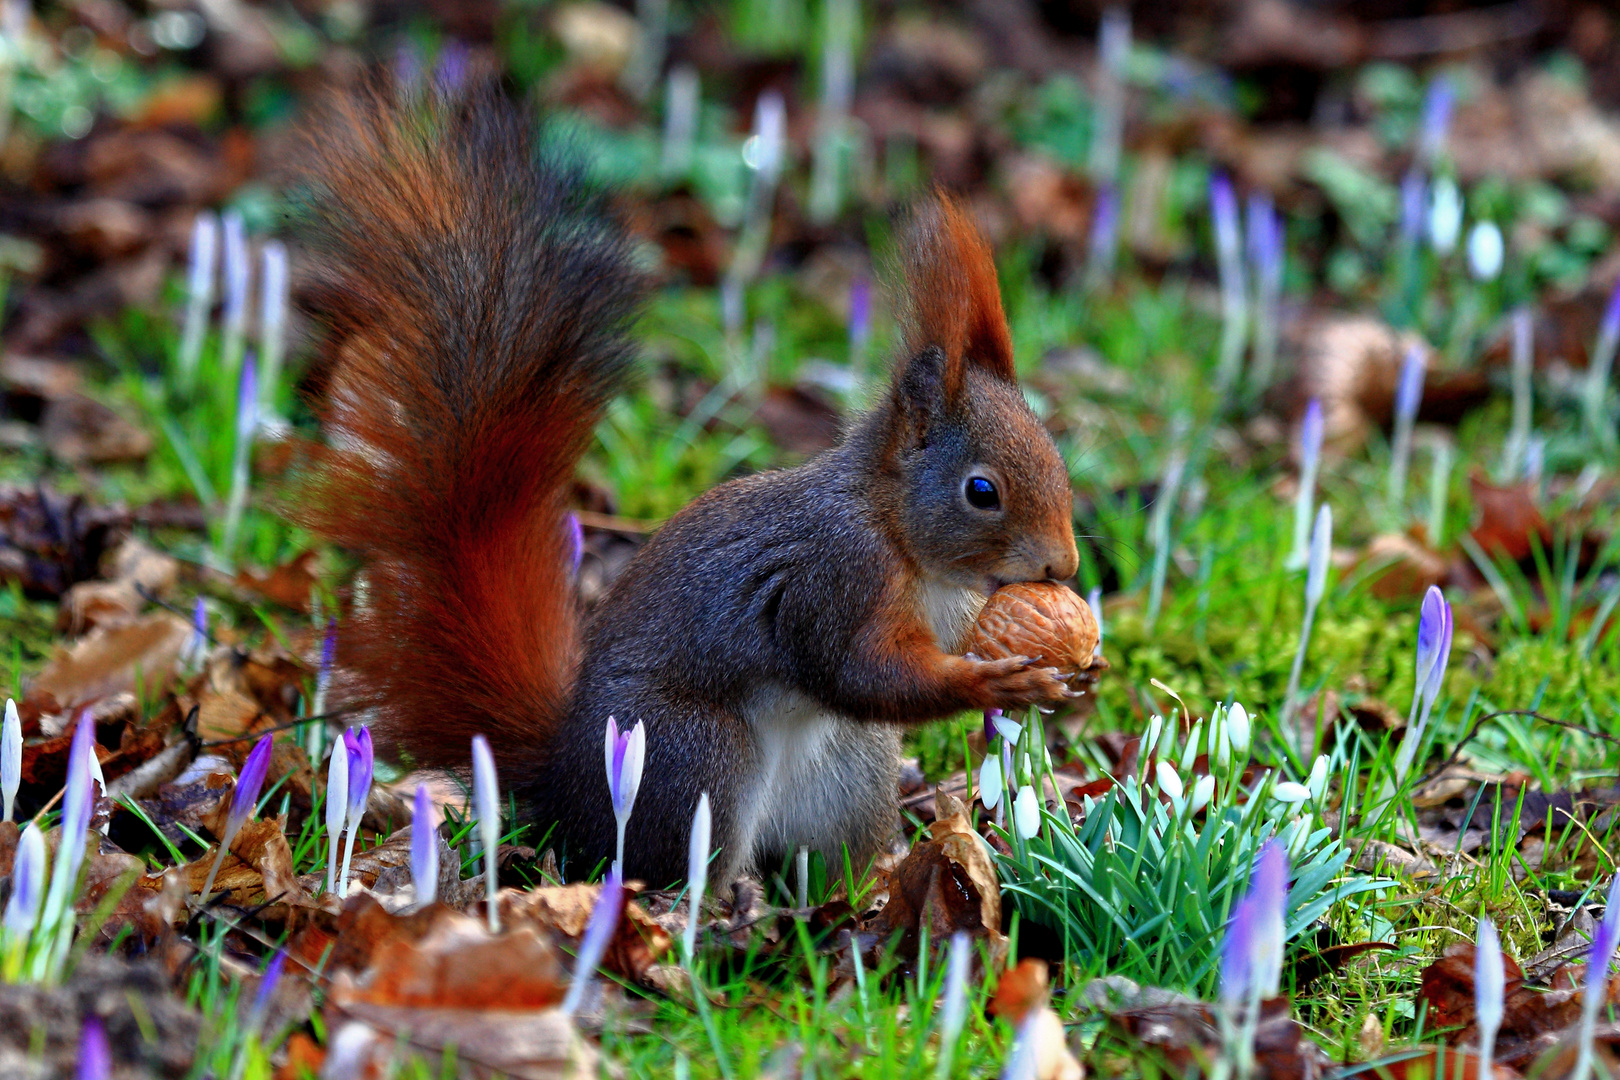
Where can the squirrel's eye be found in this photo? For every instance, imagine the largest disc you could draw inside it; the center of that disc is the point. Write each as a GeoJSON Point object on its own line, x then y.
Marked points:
{"type": "Point", "coordinates": [981, 494]}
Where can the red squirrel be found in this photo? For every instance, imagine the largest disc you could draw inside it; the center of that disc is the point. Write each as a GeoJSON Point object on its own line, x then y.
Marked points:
{"type": "Point", "coordinates": [774, 636]}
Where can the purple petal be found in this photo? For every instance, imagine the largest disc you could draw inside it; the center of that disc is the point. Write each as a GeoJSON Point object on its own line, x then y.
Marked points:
{"type": "Point", "coordinates": [1611, 314]}
{"type": "Point", "coordinates": [598, 934]}
{"type": "Point", "coordinates": [328, 649]}
{"type": "Point", "coordinates": [1431, 627]}
{"type": "Point", "coordinates": [1414, 200]}
{"type": "Point", "coordinates": [1105, 223]}
{"type": "Point", "coordinates": [424, 848]}
{"type": "Point", "coordinates": [990, 725]}
{"type": "Point", "coordinates": [576, 544]}
{"type": "Point", "coordinates": [1437, 105]}
{"type": "Point", "coordinates": [199, 620]}
{"type": "Point", "coordinates": [1310, 436]}
{"type": "Point", "coordinates": [1604, 941]}
{"type": "Point", "coordinates": [247, 398]}
{"type": "Point", "coordinates": [95, 1056]}
{"type": "Point", "coordinates": [1236, 953]}
{"type": "Point", "coordinates": [248, 784]}
{"type": "Point", "coordinates": [27, 882]}
{"type": "Point", "coordinates": [268, 981]}
{"type": "Point", "coordinates": [860, 309]}
{"type": "Point", "coordinates": [361, 761]}
{"type": "Point", "coordinates": [1409, 391]}
{"type": "Point", "coordinates": [77, 799]}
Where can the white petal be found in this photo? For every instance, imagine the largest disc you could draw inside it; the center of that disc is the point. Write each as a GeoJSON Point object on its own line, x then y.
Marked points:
{"type": "Point", "coordinates": [1237, 726]}
{"type": "Point", "coordinates": [635, 758]}
{"type": "Point", "coordinates": [1026, 812]}
{"type": "Point", "coordinates": [1203, 791]}
{"type": "Point", "coordinates": [1290, 792]}
{"type": "Point", "coordinates": [990, 782]}
{"type": "Point", "coordinates": [1169, 781]}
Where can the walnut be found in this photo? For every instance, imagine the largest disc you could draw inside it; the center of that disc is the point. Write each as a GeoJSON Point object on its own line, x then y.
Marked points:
{"type": "Point", "coordinates": [1038, 619]}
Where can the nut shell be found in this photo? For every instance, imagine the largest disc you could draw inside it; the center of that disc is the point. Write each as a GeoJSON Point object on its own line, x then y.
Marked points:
{"type": "Point", "coordinates": [1038, 619]}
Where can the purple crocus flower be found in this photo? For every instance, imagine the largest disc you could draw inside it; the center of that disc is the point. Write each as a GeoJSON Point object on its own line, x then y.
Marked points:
{"type": "Point", "coordinates": [248, 784]}
{"type": "Point", "coordinates": [1598, 962]}
{"type": "Point", "coordinates": [1408, 396]}
{"type": "Point", "coordinates": [1251, 957]}
{"type": "Point", "coordinates": [27, 883]}
{"type": "Point", "coordinates": [203, 259]}
{"type": "Point", "coordinates": [1310, 461]}
{"type": "Point", "coordinates": [1414, 201]}
{"type": "Point", "coordinates": [1409, 390]}
{"type": "Point", "coordinates": [450, 74]}
{"type": "Point", "coordinates": [1316, 567]}
{"type": "Point", "coordinates": [625, 754]}
{"type": "Point", "coordinates": [1489, 986]}
{"type": "Point", "coordinates": [487, 805]}
{"type": "Point", "coordinates": [1433, 648]}
{"type": "Point", "coordinates": [357, 790]}
{"type": "Point", "coordinates": [598, 934]}
{"type": "Point", "coordinates": [1436, 123]}
{"type": "Point", "coordinates": [362, 761]}
{"type": "Point", "coordinates": [10, 759]}
{"type": "Point", "coordinates": [95, 1057]}
{"type": "Point", "coordinates": [247, 399]}
{"type": "Point", "coordinates": [1104, 239]}
{"type": "Point", "coordinates": [576, 543]}
{"type": "Point", "coordinates": [337, 809]}
{"type": "Point", "coordinates": [323, 674]}
{"type": "Point", "coordinates": [236, 273]}
{"type": "Point", "coordinates": [1610, 327]}
{"type": "Point", "coordinates": [424, 849]}
{"type": "Point", "coordinates": [860, 314]}
{"type": "Point", "coordinates": [267, 989]}
{"type": "Point", "coordinates": [77, 803]}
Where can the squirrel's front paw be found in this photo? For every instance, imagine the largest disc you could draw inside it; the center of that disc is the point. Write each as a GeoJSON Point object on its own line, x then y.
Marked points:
{"type": "Point", "coordinates": [1015, 681]}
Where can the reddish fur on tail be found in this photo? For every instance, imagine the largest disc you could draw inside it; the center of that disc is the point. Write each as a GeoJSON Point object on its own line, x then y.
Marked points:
{"type": "Point", "coordinates": [476, 298]}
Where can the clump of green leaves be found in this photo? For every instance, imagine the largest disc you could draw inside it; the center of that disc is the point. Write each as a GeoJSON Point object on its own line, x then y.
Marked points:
{"type": "Point", "coordinates": [1144, 881]}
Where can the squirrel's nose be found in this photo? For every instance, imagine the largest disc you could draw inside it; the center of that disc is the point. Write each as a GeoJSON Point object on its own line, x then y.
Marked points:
{"type": "Point", "coordinates": [1062, 565]}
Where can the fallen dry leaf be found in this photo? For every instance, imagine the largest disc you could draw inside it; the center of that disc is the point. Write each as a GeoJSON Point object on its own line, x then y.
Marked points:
{"type": "Point", "coordinates": [947, 883]}
{"type": "Point", "coordinates": [565, 910]}
{"type": "Point", "coordinates": [139, 573]}
{"type": "Point", "coordinates": [1507, 518]}
{"type": "Point", "coordinates": [111, 660]}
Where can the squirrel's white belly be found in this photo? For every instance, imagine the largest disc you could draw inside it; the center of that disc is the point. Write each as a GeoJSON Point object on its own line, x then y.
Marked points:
{"type": "Point", "coordinates": [820, 778]}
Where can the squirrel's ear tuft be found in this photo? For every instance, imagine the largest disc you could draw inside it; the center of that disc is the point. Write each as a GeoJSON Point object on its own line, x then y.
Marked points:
{"type": "Point", "coordinates": [953, 300]}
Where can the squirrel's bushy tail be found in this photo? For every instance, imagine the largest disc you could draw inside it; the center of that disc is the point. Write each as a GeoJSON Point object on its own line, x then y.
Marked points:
{"type": "Point", "coordinates": [476, 298]}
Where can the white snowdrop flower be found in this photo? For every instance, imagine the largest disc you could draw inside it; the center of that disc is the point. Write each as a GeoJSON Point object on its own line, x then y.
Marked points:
{"type": "Point", "coordinates": [1290, 792]}
{"type": "Point", "coordinates": [1169, 780]}
{"type": "Point", "coordinates": [1485, 250]}
{"type": "Point", "coordinates": [1026, 812]}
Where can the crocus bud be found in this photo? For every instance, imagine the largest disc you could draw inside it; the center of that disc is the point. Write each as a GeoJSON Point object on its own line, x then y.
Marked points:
{"type": "Point", "coordinates": [10, 759]}
{"type": "Point", "coordinates": [1169, 780]}
{"type": "Point", "coordinates": [625, 755]}
{"type": "Point", "coordinates": [1445, 215]}
{"type": "Point", "coordinates": [1604, 942]}
{"type": "Point", "coordinates": [1433, 646]}
{"type": "Point", "coordinates": [1321, 549]}
{"type": "Point", "coordinates": [860, 313]}
{"type": "Point", "coordinates": [1237, 955]}
{"type": "Point", "coordinates": [1409, 387]}
{"type": "Point", "coordinates": [1490, 982]}
{"type": "Point", "coordinates": [1414, 191]}
{"type": "Point", "coordinates": [203, 259]}
{"type": "Point", "coordinates": [248, 784]}
{"type": "Point", "coordinates": [1437, 672]}
{"type": "Point", "coordinates": [697, 870]}
{"type": "Point", "coordinates": [1269, 887]}
{"type": "Point", "coordinates": [1290, 792]}
{"type": "Point", "coordinates": [1026, 813]}
{"type": "Point", "coordinates": [424, 848]}
{"type": "Point", "coordinates": [1317, 782]}
{"type": "Point", "coordinates": [598, 935]}
{"type": "Point", "coordinates": [1203, 791]}
{"type": "Point", "coordinates": [1310, 460]}
{"type": "Point", "coordinates": [576, 544]}
{"type": "Point", "coordinates": [1485, 251]}
{"type": "Point", "coordinates": [362, 763]}
{"type": "Point", "coordinates": [266, 991]}
{"type": "Point", "coordinates": [1437, 104]}
{"type": "Point", "coordinates": [487, 803]}
{"type": "Point", "coordinates": [337, 808]}
{"type": "Point", "coordinates": [27, 883]}
{"type": "Point", "coordinates": [953, 1010]}
{"type": "Point", "coordinates": [95, 1058]}
{"type": "Point", "coordinates": [1237, 729]}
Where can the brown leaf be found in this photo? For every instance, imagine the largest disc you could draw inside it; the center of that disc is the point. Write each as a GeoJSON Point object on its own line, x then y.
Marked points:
{"type": "Point", "coordinates": [112, 660]}
{"type": "Point", "coordinates": [49, 541]}
{"type": "Point", "coordinates": [458, 964]}
{"type": "Point", "coordinates": [1405, 567]}
{"type": "Point", "coordinates": [1507, 518]}
{"type": "Point", "coordinates": [289, 585]}
{"type": "Point", "coordinates": [637, 943]}
{"type": "Point", "coordinates": [139, 572]}
{"type": "Point", "coordinates": [947, 883]}
{"type": "Point", "coordinates": [258, 870]}
{"type": "Point", "coordinates": [80, 430]}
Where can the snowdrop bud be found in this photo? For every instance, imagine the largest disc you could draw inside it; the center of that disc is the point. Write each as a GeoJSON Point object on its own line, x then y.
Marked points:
{"type": "Point", "coordinates": [1026, 812]}
{"type": "Point", "coordinates": [1237, 729]}
{"type": "Point", "coordinates": [1321, 549]}
{"type": "Point", "coordinates": [1202, 792]}
{"type": "Point", "coordinates": [1317, 782]}
{"type": "Point", "coordinates": [1290, 792]}
{"type": "Point", "coordinates": [1169, 780]}
{"type": "Point", "coordinates": [1220, 741]}
{"type": "Point", "coordinates": [990, 781]}
{"type": "Point", "coordinates": [10, 759]}
{"type": "Point", "coordinates": [1445, 215]}
{"type": "Point", "coordinates": [1151, 740]}
{"type": "Point", "coordinates": [1485, 251]}
{"type": "Point", "coordinates": [1189, 756]}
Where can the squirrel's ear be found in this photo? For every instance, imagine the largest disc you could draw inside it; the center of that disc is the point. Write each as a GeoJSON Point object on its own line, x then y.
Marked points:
{"type": "Point", "coordinates": [919, 394]}
{"type": "Point", "coordinates": [952, 297]}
